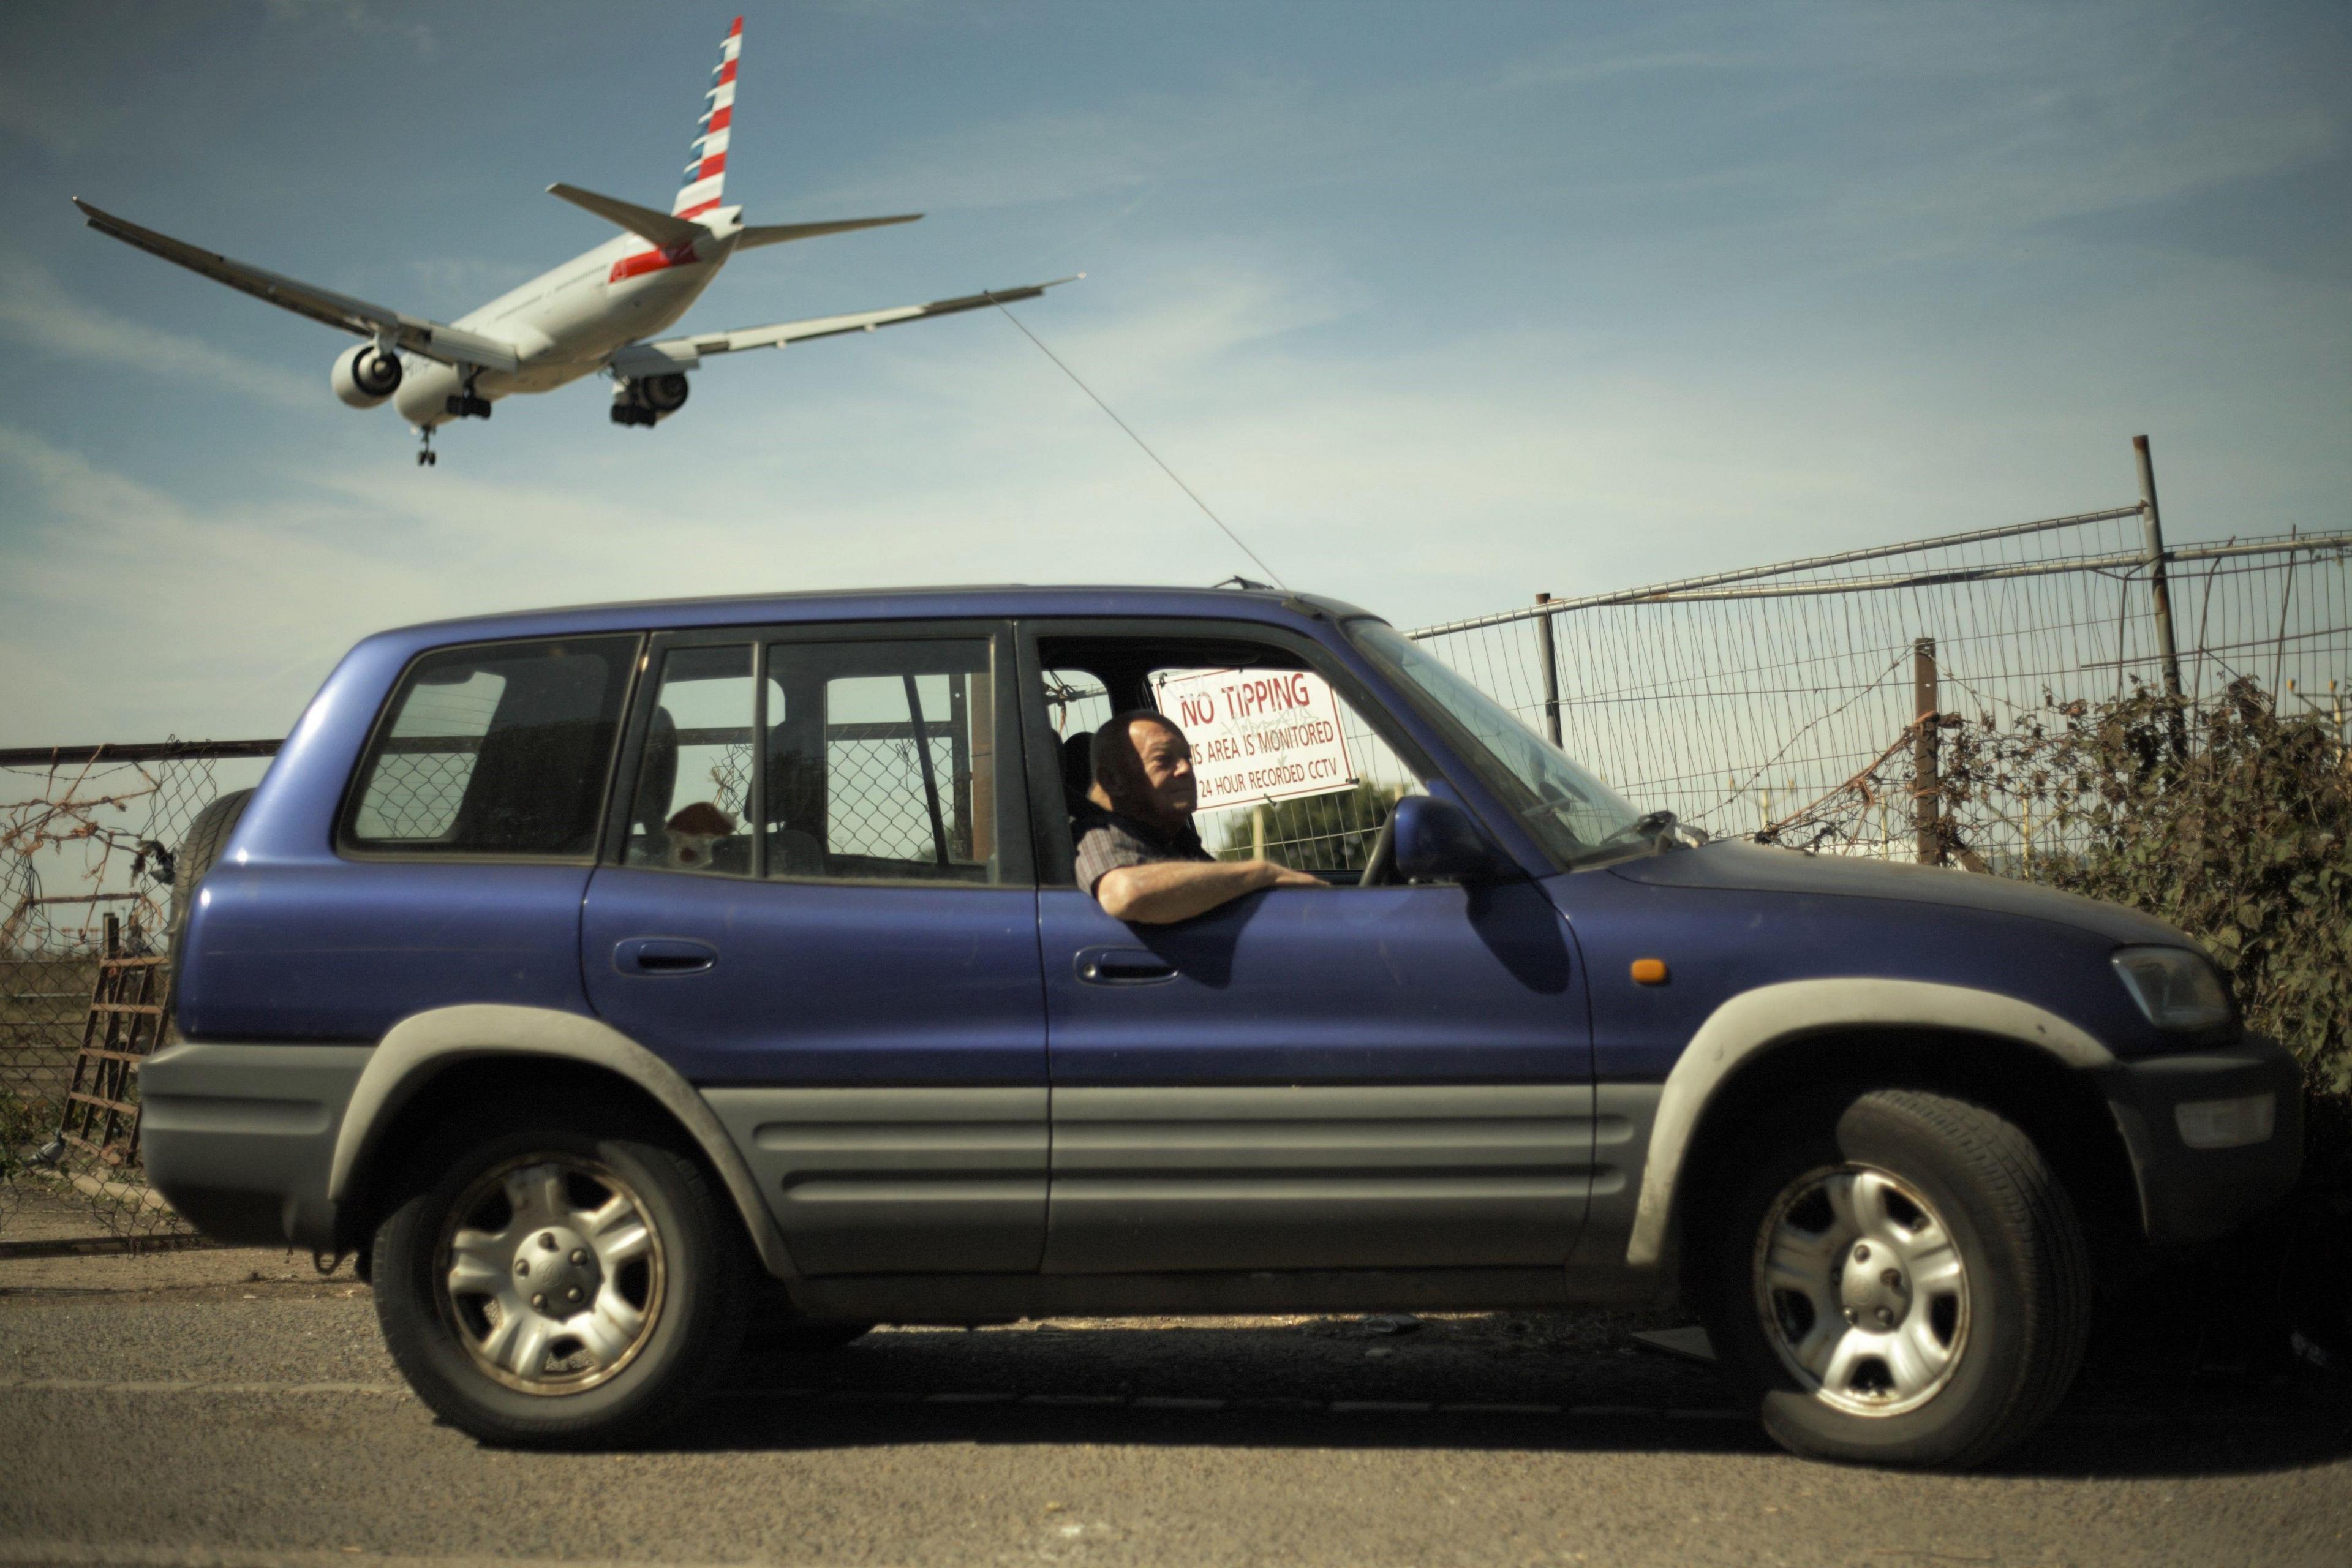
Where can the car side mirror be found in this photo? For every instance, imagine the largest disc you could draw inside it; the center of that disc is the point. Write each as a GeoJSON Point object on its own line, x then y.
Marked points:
{"type": "Point", "coordinates": [1436, 841]}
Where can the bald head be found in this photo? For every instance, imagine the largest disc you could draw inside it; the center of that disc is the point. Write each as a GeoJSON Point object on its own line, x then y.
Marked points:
{"type": "Point", "coordinates": [1143, 768]}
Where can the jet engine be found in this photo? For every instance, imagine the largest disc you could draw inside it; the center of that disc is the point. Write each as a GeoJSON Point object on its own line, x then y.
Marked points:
{"type": "Point", "coordinates": [365, 377]}
{"type": "Point", "coordinates": [648, 399]}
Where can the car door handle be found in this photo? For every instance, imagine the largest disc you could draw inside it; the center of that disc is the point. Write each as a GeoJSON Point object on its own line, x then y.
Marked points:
{"type": "Point", "coordinates": [1123, 966]}
{"type": "Point", "coordinates": [663, 955]}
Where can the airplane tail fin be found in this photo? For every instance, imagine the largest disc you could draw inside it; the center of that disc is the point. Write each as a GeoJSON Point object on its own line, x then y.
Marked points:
{"type": "Point", "coordinates": [707, 175]}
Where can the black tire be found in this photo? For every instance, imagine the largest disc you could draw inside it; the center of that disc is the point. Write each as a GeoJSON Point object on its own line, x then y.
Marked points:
{"type": "Point", "coordinates": [691, 1292]}
{"type": "Point", "coordinates": [1948, 1180]}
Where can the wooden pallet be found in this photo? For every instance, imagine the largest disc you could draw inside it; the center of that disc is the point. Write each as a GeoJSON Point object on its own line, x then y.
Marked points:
{"type": "Point", "coordinates": [124, 1027]}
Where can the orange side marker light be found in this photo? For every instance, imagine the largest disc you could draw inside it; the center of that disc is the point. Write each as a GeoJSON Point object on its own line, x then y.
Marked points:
{"type": "Point", "coordinates": [1649, 972]}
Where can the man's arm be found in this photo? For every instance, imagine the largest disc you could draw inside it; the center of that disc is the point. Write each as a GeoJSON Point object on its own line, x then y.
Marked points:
{"type": "Point", "coordinates": [1170, 890]}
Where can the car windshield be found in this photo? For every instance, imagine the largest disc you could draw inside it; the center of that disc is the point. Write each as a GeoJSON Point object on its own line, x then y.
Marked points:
{"type": "Point", "coordinates": [1577, 817]}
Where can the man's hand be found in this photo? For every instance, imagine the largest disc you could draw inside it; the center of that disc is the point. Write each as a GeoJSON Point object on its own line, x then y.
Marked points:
{"type": "Point", "coordinates": [1171, 890]}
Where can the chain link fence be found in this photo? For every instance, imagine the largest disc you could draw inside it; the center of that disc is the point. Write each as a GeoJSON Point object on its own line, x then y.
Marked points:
{"type": "Point", "coordinates": [1788, 701]}
{"type": "Point", "coordinates": [88, 837]}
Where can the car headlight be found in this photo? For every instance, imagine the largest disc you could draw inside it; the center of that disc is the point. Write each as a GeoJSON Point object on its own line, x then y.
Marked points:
{"type": "Point", "coordinates": [2175, 988]}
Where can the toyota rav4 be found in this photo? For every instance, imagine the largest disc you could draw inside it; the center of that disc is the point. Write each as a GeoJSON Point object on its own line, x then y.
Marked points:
{"type": "Point", "coordinates": [601, 977]}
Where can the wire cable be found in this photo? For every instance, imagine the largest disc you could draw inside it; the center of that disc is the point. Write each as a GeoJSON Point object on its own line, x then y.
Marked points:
{"type": "Point", "coordinates": [1255, 558]}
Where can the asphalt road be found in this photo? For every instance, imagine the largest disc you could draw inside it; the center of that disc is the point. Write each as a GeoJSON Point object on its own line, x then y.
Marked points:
{"type": "Point", "coordinates": [174, 1410]}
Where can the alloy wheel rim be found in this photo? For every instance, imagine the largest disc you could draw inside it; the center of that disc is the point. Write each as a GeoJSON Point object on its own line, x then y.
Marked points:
{"type": "Point", "coordinates": [550, 1272]}
{"type": "Point", "coordinates": [1861, 1291]}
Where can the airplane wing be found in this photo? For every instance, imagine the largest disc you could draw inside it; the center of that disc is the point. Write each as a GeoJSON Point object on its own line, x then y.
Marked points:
{"type": "Point", "coordinates": [687, 353]}
{"type": "Point", "coordinates": [450, 345]}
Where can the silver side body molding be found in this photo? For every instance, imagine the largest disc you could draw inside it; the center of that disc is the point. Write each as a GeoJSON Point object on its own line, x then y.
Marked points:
{"type": "Point", "coordinates": [1771, 1015]}
{"type": "Point", "coordinates": [416, 1046]}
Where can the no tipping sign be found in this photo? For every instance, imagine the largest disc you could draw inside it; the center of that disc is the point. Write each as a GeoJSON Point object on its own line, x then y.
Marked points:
{"type": "Point", "coordinates": [1258, 734]}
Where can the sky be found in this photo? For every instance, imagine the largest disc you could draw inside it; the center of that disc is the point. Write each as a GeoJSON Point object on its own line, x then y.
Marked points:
{"type": "Point", "coordinates": [1437, 306]}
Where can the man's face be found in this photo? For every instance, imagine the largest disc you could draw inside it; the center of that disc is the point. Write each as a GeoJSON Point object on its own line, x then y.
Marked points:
{"type": "Point", "coordinates": [1158, 776]}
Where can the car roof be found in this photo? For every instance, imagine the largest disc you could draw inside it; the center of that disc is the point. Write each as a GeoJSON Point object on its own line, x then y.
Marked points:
{"type": "Point", "coordinates": [995, 601]}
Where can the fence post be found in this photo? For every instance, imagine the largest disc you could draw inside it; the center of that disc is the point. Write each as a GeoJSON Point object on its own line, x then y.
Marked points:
{"type": "Point", "coordinates": [1551, 671]}
{"type": "Point", "coordinates": [1926, 805]}
{"type": "Point", "coordinates": [2160, 590]}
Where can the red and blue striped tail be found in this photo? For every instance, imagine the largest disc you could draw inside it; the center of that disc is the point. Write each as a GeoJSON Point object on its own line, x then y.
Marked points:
{"type": "Point", "coordinates": [707, 175]}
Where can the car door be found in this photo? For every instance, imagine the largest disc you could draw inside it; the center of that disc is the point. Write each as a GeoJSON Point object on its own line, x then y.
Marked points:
{"type": "Point", "coordinates": [1345, 1078]}
{"type": "Point", "coordinates": [816, 901]}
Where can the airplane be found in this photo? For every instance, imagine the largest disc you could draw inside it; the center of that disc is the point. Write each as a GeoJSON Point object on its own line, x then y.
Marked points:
{"type": "Point", "coordinates": [594, 313]}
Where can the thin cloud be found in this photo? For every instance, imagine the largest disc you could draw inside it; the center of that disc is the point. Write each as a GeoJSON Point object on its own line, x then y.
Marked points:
{"type": "Point", "coordinates": [1039, 155]}
{"type": "Point", "coordinates": [1564, 66]}
{"type": "Point", "coordinates": [51, 126]}
{"type": "Point", "coordinates": [37, 310]}
{"type": "Point", "coordinates": [358, 18]}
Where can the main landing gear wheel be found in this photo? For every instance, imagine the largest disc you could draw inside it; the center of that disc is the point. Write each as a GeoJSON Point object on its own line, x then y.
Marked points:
{"type": "Point", "coordinates": [1897, 1277]}
{"type": "Point", "coordinates": [556, 1288]}
{"type": "Point", "coordinates": [466, 403]}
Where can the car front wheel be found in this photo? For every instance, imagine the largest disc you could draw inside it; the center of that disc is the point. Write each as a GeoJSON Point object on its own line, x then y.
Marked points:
{"type": "Point", "coordinates": [1897, 1276]}
{"type": "Point", "coordinates": [555, 1287]}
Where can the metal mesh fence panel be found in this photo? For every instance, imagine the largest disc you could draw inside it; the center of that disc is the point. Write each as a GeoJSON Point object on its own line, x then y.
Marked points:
{"type": "Point", "coordinates": [1780, 700]}
{"type": "Point", "coordinates": [82, 841]}
{"type": "Point", "coordinates": [414, 793]}
{"type": "Point", "coordinates": [876, 802]}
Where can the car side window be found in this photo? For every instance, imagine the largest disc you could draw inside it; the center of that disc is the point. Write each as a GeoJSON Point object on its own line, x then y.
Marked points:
{"type": "Point", "coordinates": [881, 764]}
{"type": "Point", "coordinates": [500, 749]}
{"type": "Point", "coordinates": [1286, 765]}
{"type": "Point", "coordinates": [1287, 768]}
{"type": "Point", "coordinates": [691, 807]}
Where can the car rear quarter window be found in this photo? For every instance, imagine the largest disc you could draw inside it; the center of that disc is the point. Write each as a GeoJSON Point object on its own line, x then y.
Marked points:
{"type": "Point", "coordinates": [499, 749]}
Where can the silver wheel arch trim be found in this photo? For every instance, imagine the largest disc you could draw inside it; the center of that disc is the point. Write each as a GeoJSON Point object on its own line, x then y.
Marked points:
{"type": "Point", "coordinates": [419, 1045]}
{"type": "Point", "coordinates": [1756, 1021]}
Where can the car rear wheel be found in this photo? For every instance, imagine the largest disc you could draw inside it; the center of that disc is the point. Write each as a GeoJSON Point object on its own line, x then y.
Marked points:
{"type": "Point", "coordinates": [554, 1287]}
{"type": "Point", "coordinates": [1897, 1276]}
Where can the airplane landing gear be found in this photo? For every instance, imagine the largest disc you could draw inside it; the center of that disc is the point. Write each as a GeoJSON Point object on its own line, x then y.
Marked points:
{"type": "Point", "coordinates": [463, 403]}
{"type": "Point", "coordinates": [427, 458]}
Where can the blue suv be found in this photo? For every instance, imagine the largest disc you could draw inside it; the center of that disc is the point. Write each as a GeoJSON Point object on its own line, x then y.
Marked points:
{"type": "Point", "coordinates": [603, 977]}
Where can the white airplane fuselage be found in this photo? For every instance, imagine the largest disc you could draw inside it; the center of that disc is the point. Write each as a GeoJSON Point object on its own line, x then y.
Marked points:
{"type": "Point", "coordinates": [568, 319]}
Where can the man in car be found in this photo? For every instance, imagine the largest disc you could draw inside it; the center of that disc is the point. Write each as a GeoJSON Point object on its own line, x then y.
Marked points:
{"type": "Point", "coordinates": [1137, 853]}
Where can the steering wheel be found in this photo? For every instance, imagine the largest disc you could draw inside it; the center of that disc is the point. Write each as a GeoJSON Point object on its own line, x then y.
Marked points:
{"type": "Point", "coordinates": [1380, 865]}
